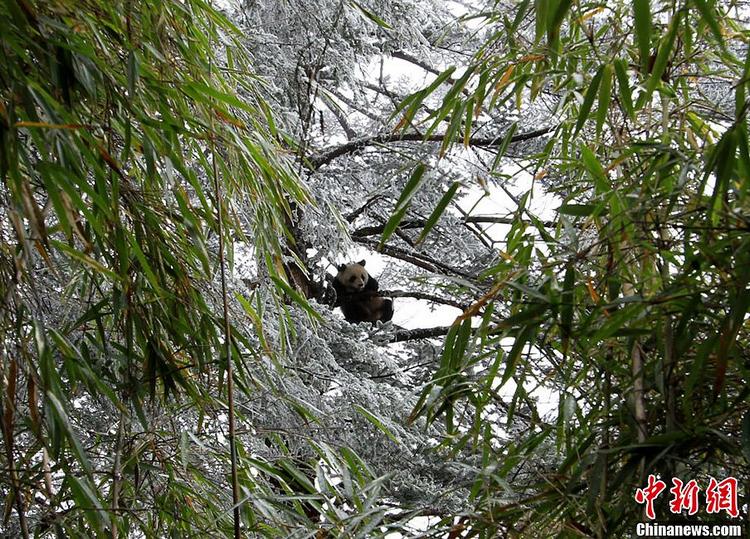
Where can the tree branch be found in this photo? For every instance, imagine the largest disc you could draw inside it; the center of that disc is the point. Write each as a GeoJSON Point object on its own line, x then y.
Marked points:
{"type": "Point", "coordinates": [340, 117]}
{"type": "Point", "coordinates": [378, 229]}
{"type": "Point", "coordinates": [405, 56]}
{"type": "Point", "coordinates": [503, 220]}
{"type": "Point", "coordinates": [421, 333]}
{"type": "Point", "coordinates": [419, 223]}
{"type": "Point", "coordinates": [351, 103]}
{"type": "Point", "coordinates": [325, 157]}
{"type": "Point", "coordinates": [424, 296]}
{"type": "Point", "coordinates": [356, 213]}
{"type": "Point", "coordinates": [417, 259]}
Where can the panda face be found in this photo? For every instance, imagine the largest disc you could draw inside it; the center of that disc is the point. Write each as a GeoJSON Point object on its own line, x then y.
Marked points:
{"type": "Point", "coordinates": [353, 277]}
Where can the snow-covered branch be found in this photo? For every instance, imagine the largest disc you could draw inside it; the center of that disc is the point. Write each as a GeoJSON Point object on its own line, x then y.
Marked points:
{"type": "Point", "coordinates": [325, 157]}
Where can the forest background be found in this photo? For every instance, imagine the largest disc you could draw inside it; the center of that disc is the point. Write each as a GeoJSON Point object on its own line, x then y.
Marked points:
{"type": "Point", "coordinates": [554, 192]}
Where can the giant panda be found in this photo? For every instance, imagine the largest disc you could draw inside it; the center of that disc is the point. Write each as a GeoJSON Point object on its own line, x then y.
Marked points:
{"type": "Point", "coordinates": [357, 295]}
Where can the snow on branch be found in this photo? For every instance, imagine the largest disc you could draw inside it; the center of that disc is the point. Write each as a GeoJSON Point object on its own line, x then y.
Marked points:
{"type": "Point", "coordinates": [418, 259]}
{"type": "Point", "coordinates": [325, 157]}
{"type": "Point", "coordinates": [421, 333]}
{"type": "Point", "coordinates": [420, 223]}
{"type": "Point", "coordinates": [422, 295]}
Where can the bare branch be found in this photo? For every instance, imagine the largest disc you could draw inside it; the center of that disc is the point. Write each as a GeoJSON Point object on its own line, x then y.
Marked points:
{"type": "Point", "coordinates": [378, 229]}
{"type": "Point", "coordinates": [352, 104]}
{"type": "Point", "coordinates": [421, 333]}
{"type": "Point", "coordinates": [424, 296]}
{"type": "Point", "coordinates": [356, 213]}
{"type": "Point", "coordinates": [419, 223]}
{"type": "Point", "coordinates": [327, 156]}
{"type": "Point", "coordinates": [340, 117]}
{"type": "Point", "coordinates": [418, 259]}
{"type": "Point", "coordinates": [405, 56]}
{"type": "Point", "coordinates": [503, 220]}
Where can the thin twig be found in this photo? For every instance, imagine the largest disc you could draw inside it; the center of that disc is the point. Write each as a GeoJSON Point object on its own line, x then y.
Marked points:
{"type": "Point", "coordinates": [227, 342]}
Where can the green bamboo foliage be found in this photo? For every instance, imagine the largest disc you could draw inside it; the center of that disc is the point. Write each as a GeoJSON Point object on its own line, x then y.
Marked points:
{"type": "Point", "coordinates": [632, 307]}
{"type": "Point", "coordinates": [115, 118]}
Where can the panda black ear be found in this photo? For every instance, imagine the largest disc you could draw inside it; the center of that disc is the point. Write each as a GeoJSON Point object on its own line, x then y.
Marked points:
{"type": "Point", "coordinates": [342, 267]}
{"type": "Point", "coordinates": [361, 262]}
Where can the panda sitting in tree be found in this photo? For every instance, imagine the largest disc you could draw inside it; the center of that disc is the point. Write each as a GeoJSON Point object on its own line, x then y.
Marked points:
{"type": "Point", "coordinates": [357, 295]}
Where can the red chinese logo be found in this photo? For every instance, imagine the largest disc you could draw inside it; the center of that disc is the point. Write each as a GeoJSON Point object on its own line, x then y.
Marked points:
{"type": "Point", "coordinates": [648, 494]}
{"type": "Point", "coordinates": [720, 496]}
{"type": "Point", "coordinates": [684, 497]}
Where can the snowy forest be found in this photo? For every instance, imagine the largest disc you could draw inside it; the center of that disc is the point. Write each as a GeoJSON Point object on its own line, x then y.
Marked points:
{"type": "Point", "coordinates": [552, 195]}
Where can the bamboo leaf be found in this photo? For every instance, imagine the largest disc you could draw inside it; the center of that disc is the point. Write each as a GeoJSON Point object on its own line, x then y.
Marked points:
{"type": "Point", "coordinates": [623, 84]}
{"type": "Point", "coordinates": [91, 505]}
{"type": "Point", "coordinates": [721, 163]}
{"type": "Point", "coordinates": [567, 299]}
{"type": "Point", "coordinates": [708, 12]}
{"type": "Point", "coordinates": [60, 417]}
{"type": "Point", "coordinates": [578, 210]}
{"type": "Point", "coordinates": [370, 15]}
{"type": "Point", "coordinates": [377, 422]}
{"type": "Point", "coordinates": [438, 211]}
{"type": "Point", "coordinates": [605, 94]}
{"type": "Point", "coordinates": [662, 56]}
{"type": "Point", "coordinates": [521, 340]}
{"type": "Point", "coordinates": [200, 92]}
{"type": "Point", "coordinates": [411, 188]}
{"type": "Point", "coordinates": [596, 170]}
{"type": "Point", "coordinates": [642, 18]}
{"type": "Point", "coordinates": [412, 103]}
{"type": "Point", "coordinates": [588, 100]}
{"type": "Point", "coordinates": [542, 17]}
{"type": "Point", "coordinates": [553, 29]}
{"type": "Point", "coordinates": [298, 298]}
{"type": "Point", "coordinates": [85, 259]}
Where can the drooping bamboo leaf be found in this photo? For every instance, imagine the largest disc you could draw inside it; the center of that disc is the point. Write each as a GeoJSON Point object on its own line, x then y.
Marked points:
{"type": "Point", "coordinates": [377, 422]}
{"type": "Point", "coordinates": [721, 164]}
{"type": "Point", "coordinates": [507, 138]}
{"type": "Point", "coordinates": [61, 420]}
{"type": "Point", "coordinates": [522, 339]}
{"type": "Point", "coordinates": [543, 8]}
{"type": "Point", "coordinates": [89, 502]}
{"type": "Point", "coordinates": [438, 211]}
{"type": "Point", "coordinates": [567, 299]}
{"type": "Point", "coordinates": [411, 188]}
{"type": "Point", "coordinates": [578, 210]}
{"type": "Point", "coordinates": [588, 100]}
{"type": "Point", "coordinates": [623, 85]}
{"type": "Point", "coordinates": [596, 170]}
{"type": "Point", "coordinates": [372, 16]}
{"type": "Point", "coordinates": [708, 12]}
{"type": "Point", "coordinates": [642, 18]}
{"type": "Point", "coordinates": [553, 28]}
{"type": "Point", "coordinates": [662, 56]}
{"type": "Point", "coordinates": [412, 103]}
{"type": "Point", "coordinates": [740, 98]}
{"type": "Point", "coordinates": [296, 297]}
{"type": "Point", "coordinates": [605, 93]}
{"type": "Point", "coordinates": [86, 260]}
